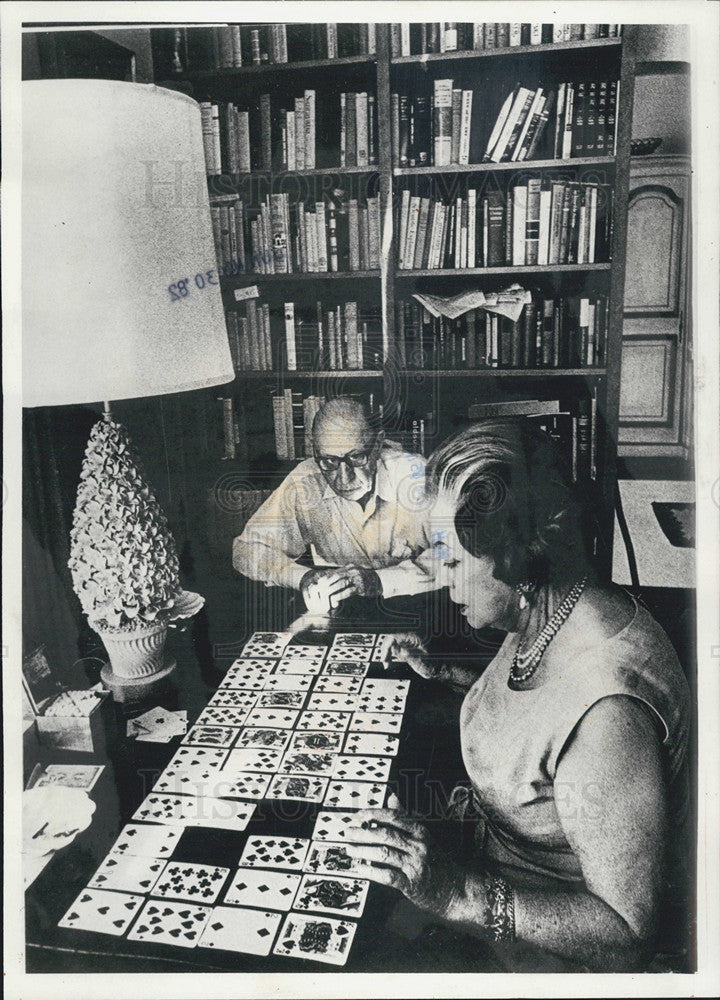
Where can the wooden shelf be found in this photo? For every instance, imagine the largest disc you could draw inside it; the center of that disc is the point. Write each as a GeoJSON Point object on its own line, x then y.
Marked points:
{"type": "Point", "coordinates": [504, 372]}
{"type": "Point", "coordinates": [482, 168]}
{"type": "Point", "coordinates": [318, 172]}
{"type": "Point", "coordinates": [444, 272]}
{"type": "Point", "coordinates": [287, 374]}
{"type": "Point", "coordinates": [238, 281]}
{"type": "Point", "coordinates": [514, 50]}
{"type": "Point", "coordinates": [310, 64]}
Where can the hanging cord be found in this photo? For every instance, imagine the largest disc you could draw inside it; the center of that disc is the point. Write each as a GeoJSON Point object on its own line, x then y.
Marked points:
{"type": "Point", "coordinates": [627, 540]}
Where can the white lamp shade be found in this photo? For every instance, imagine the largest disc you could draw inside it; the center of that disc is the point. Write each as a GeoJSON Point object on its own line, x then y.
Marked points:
{"type": "Point", "coordinates": [115, 211]}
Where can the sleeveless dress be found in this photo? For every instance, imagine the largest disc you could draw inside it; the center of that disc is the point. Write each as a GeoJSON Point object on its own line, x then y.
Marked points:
{"type": "Point", "coordinates": [512, 741]}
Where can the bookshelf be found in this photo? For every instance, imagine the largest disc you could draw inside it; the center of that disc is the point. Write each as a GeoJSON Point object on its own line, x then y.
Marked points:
{"type": "Point", "coordinates": [437, 394]}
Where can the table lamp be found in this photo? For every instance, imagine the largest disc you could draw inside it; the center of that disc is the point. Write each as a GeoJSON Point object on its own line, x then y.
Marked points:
{"type": "Point", "coordinates": [120, 300]}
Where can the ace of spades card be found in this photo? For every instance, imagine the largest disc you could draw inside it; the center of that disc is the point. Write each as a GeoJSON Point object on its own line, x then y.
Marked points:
{"type": "Point", "coordinates": [167, 922]}
{"type": "Point", "coordinates": [193, 882]}
{"type": "Point", "coordinates": [103, 911]}
{"type": "Point", "coordinates": [233, 928]}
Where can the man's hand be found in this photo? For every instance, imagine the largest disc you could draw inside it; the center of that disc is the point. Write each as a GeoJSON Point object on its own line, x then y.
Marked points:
{"type": "Point", "coordinates": [323, 589]}
{"type": "Point", "coordinates": [365, 582]}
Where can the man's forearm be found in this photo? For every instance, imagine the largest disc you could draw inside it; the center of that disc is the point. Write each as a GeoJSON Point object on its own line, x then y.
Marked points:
{"type": "Point", "coordinates": [269, 566]}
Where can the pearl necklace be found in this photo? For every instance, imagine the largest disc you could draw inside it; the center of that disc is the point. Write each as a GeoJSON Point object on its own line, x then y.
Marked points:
{"type": "Point", "coordinates": [524, 665]}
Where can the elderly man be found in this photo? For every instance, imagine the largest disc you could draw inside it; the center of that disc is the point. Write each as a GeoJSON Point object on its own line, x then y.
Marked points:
{"type": "Point", "coordinates": [359, 506]}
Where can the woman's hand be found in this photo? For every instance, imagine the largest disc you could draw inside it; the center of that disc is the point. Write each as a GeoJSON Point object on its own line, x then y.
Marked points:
{"type": "Point", "coordinates": [406, 647]}
{"type": "Point", "coordinates": [395, 850]}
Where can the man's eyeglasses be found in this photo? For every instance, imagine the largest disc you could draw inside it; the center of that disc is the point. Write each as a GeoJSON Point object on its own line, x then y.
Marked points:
{"type": "Point", "coordinates": [353, 460]}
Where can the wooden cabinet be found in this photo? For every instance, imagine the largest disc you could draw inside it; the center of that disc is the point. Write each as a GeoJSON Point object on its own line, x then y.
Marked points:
{"type": "Point", "coordinates": [655, 387]}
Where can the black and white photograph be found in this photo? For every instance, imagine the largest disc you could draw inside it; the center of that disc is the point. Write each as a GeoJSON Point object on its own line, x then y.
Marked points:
{"type": "Point", "coordinates": [361, 498]}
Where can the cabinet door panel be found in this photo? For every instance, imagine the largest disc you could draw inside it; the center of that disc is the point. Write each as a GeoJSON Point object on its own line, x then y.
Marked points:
{"type": "Point", "coordinates": [653, 251]}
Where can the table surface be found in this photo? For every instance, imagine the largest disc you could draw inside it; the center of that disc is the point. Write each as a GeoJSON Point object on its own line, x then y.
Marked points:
{"type": "Point", "coordinates": [425, 770]}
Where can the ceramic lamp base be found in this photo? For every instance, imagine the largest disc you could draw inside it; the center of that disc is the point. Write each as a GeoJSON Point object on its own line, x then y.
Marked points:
{"type": "Point", "coordinates": [134, 689]}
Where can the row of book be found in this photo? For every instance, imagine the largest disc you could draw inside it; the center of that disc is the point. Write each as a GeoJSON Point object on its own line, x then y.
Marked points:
{"type": "Point", "coordinates": [232, 46]}
{"type": "Point", "coordinates": [280, 237]}
{"type": "Point", "coordinates": [456, 36]}
{"type": "Point", "coordinates": [541, 222]}
{"type": "Point", "coordinates": [344, 337]}
{"type": "Point", "coordinates": [569, 332]}
{"type": "Point", "coordinates": [450, 126]}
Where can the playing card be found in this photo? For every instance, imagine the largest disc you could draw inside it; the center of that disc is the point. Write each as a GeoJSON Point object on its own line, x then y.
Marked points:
{"type": "Point", "coordinates": [273, 738]}
{"type": "Point", "coordinates": [332, 894]}
{"type": "Point", "coordinates": [305, 762]}
{"type": "Point", "coordinates": [383, 642]}
{"type": "Point", "coordinates": [130, 874]}
{"type": "Point", "coordinates": [218, 784]}
{"type": "Point", "coordinates": [251, 887]}
{"type": "Point", "coordinates": [248, 675]}
{"type": "Point", "coordinates": [288, 682]}
{"type": "Point", "coordinates": [102, 911]}
{"type": "Point", "coordinates": [316, 741]}
{"type": "Point", "coordinates": [82, 776]}
{"type": "Point", "coordinates": [327, 701]}
{"type": "Point", "coordinates": [361, 768]}
{"type": "Point", "coordinates": [333, 826]}
{"type": "Point", "coordinates": [170, 923]}
{"type": "Point", "coordinates": [376, 722]}
{"type": "Point", "coordinates": [249, 931]}
{"type": "Point", "coordinates": [143, 841]}
{"type": "Point", "coordinates": [346, 668]}
{"type": "Point", "coordinates": [384, 685]}
{"type": "Point", "coordinates": [303, 787]}
{"type": "Point", "coordinates": [362, 653]}
{"type": "Point", "coordinates": [324, 721]}
{"type": "Point", "coordinates": [281, 699]}
{"type": "Point", "coordinates": [250, 664]}
{"type": "Point", "coordinates": [156, 726]}
{"type": "Point", "coordinates": [228, 697]}
{"type": "Point", "coordinates": [371, 743]}
{"type": "Point", "coordinates": [273, 718]}
{"type": "Point", "coordinates": [327, 683]}
{"type": "Point", "coordinates": [191, 758]}
{"type": "Point", "coordinates": [188, 810]}
{"type": "Point", "coordinates": [374, 703]}
{"type": "Point", "coordinates": [331, 859]}
{"type": "Point", "coordinates": [355, 795]}
{"type": "Point", "coordinates": [321, 939]}
{"type": "Point", "coordinates": [275, 852]}
{"type": "Point", "coordinates": [196, 883]}
{"type": "Point", "coordinates": [298, 651]}
{"type": "Point", "coordinates": [354, 639]}
{"type": "Point", "coordinates": [210, 736]}
{"type": "Point", "coordinates": [298, 665]}
{"type": "Point", "coordinates": [266, 644]}
{"type": "Point", "coordinates": [254, 759]}
{"type": "Point", "coordinates": [223, 715]}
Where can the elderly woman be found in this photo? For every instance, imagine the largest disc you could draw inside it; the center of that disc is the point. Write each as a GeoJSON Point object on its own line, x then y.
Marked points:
{"type": "Point", "coordinates": [574, 738]}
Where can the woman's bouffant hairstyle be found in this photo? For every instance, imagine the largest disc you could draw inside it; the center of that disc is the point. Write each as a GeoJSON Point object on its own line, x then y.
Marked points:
{"type": "Point", "coordinates": [513, 500]}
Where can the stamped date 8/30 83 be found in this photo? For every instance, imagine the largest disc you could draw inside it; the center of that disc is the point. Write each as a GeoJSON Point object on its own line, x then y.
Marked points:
{"type": "Point", "coordinates": [181, 288]}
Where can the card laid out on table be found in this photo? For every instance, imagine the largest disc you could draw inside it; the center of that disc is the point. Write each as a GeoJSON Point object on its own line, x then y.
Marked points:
{"type": "Point", "coordinates": [104, 911]}
{"type": "Point", "coordinates": [294, 665]}
{"type": "Point", "coordinates": [335, 722]}
{"type": "Point", "coordinates": [374, 703]}
{"type": "Point", "coordinates": [300, 651]}
{"type": "Point", "coordinates": [281, 699]}
{"type": "Point", "coordinates": [354, 639]}
{"type": "Point", "coordinates": [273, 718]}
{"type": "Point", "coordinates": [266, 644]}
{"type": "Point", "coordinates": [223, 715]}
{"type": "Point", "coordinates": [384, 685]}
{"type": "Point", "coordinates": [188, 810]}
{"type": "Point", "coordinates": [371, 743]}
{"type": "Point", "coordinates": [316, 741]}
{"type": "Point", "coordinates": [158, 725]}
{"type": "Point", "coordinates": [332, 894]}
{"type": "Point", "coordinates": [288, 682]}
{"type": "Point", "coordinates": [308, 762]}
{"type": "Point", "coordinates": [260, 887]}
{"type": "Point", "coordinates": [194, 882]}
{"type": "Point", "coordinates": [210, 736]}
{"type": "Point", "coordinates": [170, 923]}
{"type": "Point", "coordinates": [333, 825]}
{"type": "Point", "coordinates": [355, 795]}
{"type": "Point", "coordinates": [247, 675]}
{"type": "Point", "coordinates": [331, 683]}
{"type": "Point", "coordinates": [229, 697]}
{"type": "Point", "coordinates": [218, 784]}
{"type": "Point", "coordinates": [302, 787]}
{"type": "Point", "coordinates": [329, 858]}
{"type": "Point", "coordinates": [190, 758]}
{"type": "Point", "coordinates": [128, 873]}
{"type": "Point", "coordinates": [251, 932]}
{"type": "Point", "coordinates": [82, 776]}
{"type": "Point", "coordinates": [142, 841]}
{"type": "Point", "coordinates": [321, 939]}
{"type": "Point", "coordinates": [357, 767]}
{"type": "Point", "coordinates": [273, 738]}
{"type": "Point", "coordinates": [346, 668]}
{"type": "Point", "coordinates": [328, 701]}
{"type": "Point", "coordinates": [376, 722]}
{"type": "Point", "coordinates": [287, 853]}
{"type": "Point", "coordinates": [254, 759]}
{"type": "Point", "coordinates": [362, 653]}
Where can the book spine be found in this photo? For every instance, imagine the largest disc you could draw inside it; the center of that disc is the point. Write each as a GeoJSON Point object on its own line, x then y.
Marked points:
{"type": "Point", "coordinates": [321, 236]}
{"type": "Point", "coordinates": [351, 334]}
{"type": "Point", "coordinates": [465, 118]}
{"type": "Point", "coordinates": [351, 134]}
{"type": "Point", "coordinates": [309, 130]}
{"type": "Point", "coordinates": [372, 130]}
{"type": "Point", "coordinates": [361, 118]}
{"type": "Point", "coordinates": [403, 130]}
{"type": "Point", "coordinates": [442, 118]}
{"type": "Point", "coordinates": [279, 234]}
{"type": "Point", "coordinates": [532, 221]}
{"type": "Point", "coordinates": [520, 205]}
{"type": "Point", "coordinates": [290, 347]}
{"type": "Point", "coordinates": [353, 235]}
{"type": "Point", "coordinates": [456, 115]}
{"type": "Point", "coordinates": [265, 132]}
{"type": "Point", "coordinates": [566, 149]}
{"type": "Point", "coordinates": [578, 126]}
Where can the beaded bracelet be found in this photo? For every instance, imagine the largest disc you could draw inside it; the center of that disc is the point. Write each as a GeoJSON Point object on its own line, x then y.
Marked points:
{"type": "Point", "coordinates": [500, 911]}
